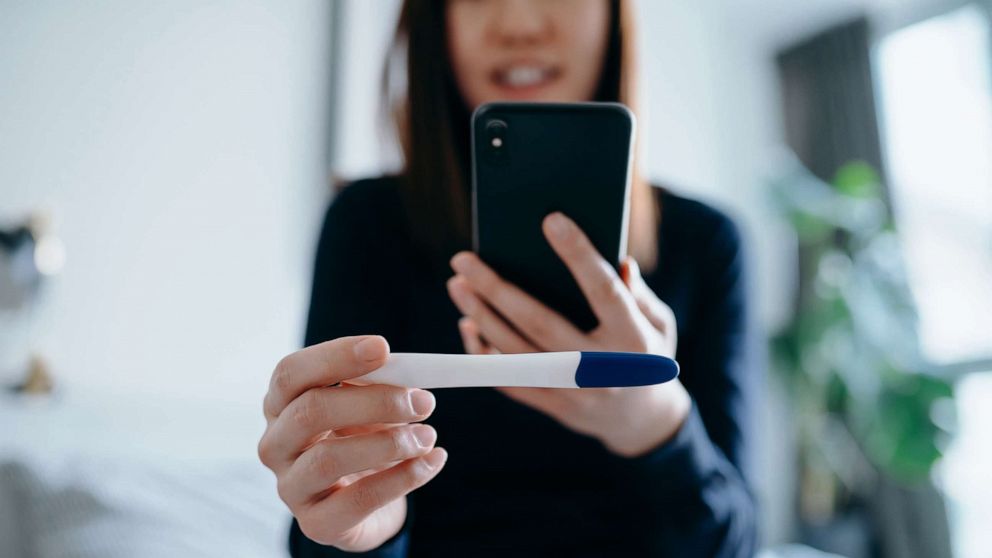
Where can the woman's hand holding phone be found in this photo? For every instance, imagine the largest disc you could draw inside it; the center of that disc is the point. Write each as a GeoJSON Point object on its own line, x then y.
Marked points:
{"type": "Point", "coordinates": [502, 318]}
{"type": "Point", "coordinates": [346, 455]}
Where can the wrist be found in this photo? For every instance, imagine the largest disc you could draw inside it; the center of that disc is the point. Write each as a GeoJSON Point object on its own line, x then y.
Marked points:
{"type": "Point", "coordinates": [660, 420]}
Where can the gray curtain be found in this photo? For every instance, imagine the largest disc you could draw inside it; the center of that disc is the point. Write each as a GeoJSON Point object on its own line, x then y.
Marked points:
{"type": "Point", "coordinates": [829, 100]}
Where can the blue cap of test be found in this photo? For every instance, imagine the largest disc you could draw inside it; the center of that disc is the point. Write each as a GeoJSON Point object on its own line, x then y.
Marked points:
{"type": "Point", "coordinates": [604, 369]}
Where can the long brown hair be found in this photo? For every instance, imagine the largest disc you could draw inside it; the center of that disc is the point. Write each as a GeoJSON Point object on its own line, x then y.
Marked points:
{"type": "Point", "coordinates": [432, 122]}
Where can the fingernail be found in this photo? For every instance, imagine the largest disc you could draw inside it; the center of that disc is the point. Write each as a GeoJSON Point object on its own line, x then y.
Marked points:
{"type": "Point", "coordinates": [425, 435]}
{"type": "Point", "coordinates": [436, 458]}
{"type": "Point", "coordinates": [369, 349]}
{"type": "Point", "coordinates": [422, 401]}
{"type": "Point", "coordinates": [557, 225]}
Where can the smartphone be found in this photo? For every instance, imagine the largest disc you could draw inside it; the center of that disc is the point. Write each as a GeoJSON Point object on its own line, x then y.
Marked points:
{"type": "Point", "coordinates": [531, 159]}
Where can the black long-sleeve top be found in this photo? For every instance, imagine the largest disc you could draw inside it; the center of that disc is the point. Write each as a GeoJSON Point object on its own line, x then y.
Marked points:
{"type": "Point", "coordinates": [517, 483]}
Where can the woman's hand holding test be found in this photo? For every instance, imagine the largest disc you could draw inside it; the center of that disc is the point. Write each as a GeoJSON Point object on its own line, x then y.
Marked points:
{"type": "Point", "coordinates": [502, 318]}
{"type": "Point", "coordinates": [345, 455]}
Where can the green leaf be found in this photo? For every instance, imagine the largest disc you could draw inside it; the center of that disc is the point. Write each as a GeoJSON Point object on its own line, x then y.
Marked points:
{"type": "Point", "coordinates": [858, 179]}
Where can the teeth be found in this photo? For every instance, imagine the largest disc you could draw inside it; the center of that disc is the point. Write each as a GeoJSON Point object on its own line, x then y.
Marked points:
{"type": "Point", "coordinates": [524, 76]}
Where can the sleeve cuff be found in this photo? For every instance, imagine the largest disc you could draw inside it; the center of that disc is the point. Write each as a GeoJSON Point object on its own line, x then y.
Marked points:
{"type": "Point", "coordinates": [302, 547]}
{"type": "Point", "coordinates": [681, 464]}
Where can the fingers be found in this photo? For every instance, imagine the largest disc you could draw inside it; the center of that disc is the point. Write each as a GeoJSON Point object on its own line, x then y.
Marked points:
{"type": "Point", "coordinates": [346, 507]}
{"type": "Point", "coordinates": [324, 464]}
{"type": "Point", "coordinates": [322, 365]}
{"type": "Point", "coordinates": [539, 324]}
{"type": "Point", "coordinates": [603, 288]}
{"type": "Point", "coordinates": [341, 453]}
{"type": "Point", "coordinates": [474, 344]}
{"type": "Point", "coordinates": [497, 331]}
{"type": "Point", "coordinates": [322, 409]}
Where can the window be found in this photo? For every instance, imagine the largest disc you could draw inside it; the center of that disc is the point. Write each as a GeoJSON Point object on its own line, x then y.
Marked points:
{"type": "Point", "coordinates": [936, 109]}
{"type": "Point", "coordinates": [935, 86]}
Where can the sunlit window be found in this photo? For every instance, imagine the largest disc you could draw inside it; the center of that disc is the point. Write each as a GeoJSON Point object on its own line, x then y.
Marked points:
{"type": "Point", "coordinates": [935, 82]}
{"type": "Point", "coordinates": [936, 108]}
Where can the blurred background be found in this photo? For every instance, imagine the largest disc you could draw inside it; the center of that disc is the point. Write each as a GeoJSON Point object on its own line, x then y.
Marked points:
{"type": "Point", "coordinates": [163, 170]}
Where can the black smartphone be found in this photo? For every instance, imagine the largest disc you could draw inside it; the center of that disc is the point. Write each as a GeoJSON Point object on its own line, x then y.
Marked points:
{"type": "Point", "coordinates": [531, 159]}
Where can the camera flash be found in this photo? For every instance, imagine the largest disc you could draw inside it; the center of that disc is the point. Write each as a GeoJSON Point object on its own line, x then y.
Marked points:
{"type": "Point", "coordinates": [497, 142]}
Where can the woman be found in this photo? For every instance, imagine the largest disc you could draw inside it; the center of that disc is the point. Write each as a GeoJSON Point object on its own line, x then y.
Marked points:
{"type": "Point", "coordinates": [647, 471]}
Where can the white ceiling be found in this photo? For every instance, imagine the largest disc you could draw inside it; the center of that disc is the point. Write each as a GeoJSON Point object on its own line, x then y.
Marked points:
{"type": "Point", "coordinates": [777, 23]}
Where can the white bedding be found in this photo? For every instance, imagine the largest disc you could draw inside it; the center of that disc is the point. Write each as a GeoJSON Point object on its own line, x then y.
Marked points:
{"type": "Point", "coordinates": [78, 481]}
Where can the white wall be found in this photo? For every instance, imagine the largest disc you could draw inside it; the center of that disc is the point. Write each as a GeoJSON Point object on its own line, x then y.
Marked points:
{"type": "Point", "coordinates": [182, 147]}
{"type": "Point", "coordinates": [712, 126]}
{"type": "Point", "coordinates": [364, 146]}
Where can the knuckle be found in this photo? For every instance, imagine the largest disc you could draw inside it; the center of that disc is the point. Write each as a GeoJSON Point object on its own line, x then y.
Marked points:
{"type": "Point", "coordinates": [400, 442]}
{"type": "Point", "coordinates": [323, 463]}
{"type": "Point", "coordinates": [268, 408]}
{"type": "Point", "coordinates": [395, 403]}
{"type": "Point", "coordinates": [306, 410]}
{"type": "Point", "coordinates": [265, 453]}
{"type": "Point", "coordinates": [607, 289]}
{"type": "Point", "coordinates": [282, 376]}
{"type": "Point", "coordinates": [365, 497]}
{"type": "Point", "coordinates": [283, 488]}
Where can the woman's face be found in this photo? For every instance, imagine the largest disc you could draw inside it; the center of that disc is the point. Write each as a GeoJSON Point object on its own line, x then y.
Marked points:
{"type": "Point", "coordinates": [533, 50]}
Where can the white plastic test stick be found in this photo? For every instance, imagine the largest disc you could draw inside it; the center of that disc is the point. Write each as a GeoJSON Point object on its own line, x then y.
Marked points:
{"type": "Point", "coordinates": [571, 369]}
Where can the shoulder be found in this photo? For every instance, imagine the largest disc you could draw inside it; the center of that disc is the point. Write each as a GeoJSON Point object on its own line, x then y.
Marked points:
{"type": "Point", "coordinates": [369, 205]}
{"type": "Point", "coordinates": [365, 216]}
{"type": "Point", "coordinates": [696, 224]}
{"type": "Point", "coordinates": [366, 195]}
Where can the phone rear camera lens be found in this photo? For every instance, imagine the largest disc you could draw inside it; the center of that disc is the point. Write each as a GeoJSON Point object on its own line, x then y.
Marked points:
{"type": "Point", "coordinates": [496, 134]}
{"type": "Point", "coordinates": [496, 127]}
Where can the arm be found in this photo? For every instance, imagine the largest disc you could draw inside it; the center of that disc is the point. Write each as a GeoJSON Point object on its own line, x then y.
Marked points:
{"type": "Point", "coordinates": [721, 350]}
{"type": "Point", "coordinates": [698, 480]}
{"type": "Point", "coordinates": [690, 497]}
{"type": "Point", "coordinates": [347, 299]}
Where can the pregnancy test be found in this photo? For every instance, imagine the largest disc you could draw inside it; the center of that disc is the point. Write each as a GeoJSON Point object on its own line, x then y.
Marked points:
{"type": "Point", "coordinates": [573, 369]}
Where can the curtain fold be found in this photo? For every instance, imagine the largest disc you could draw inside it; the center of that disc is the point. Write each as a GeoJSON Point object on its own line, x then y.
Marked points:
{"type": "Point", "coordinates": [829, 100]}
